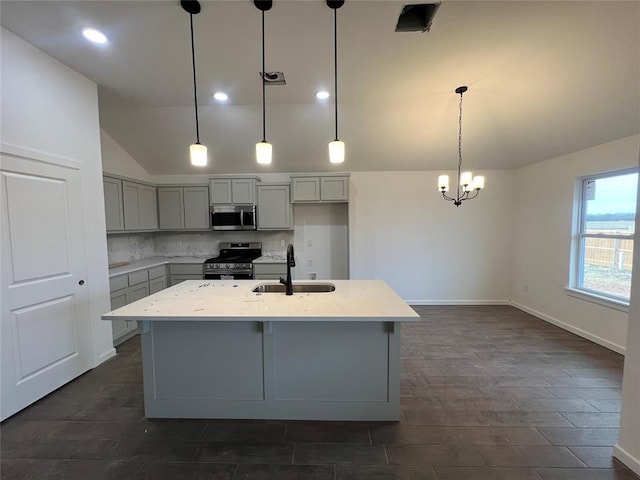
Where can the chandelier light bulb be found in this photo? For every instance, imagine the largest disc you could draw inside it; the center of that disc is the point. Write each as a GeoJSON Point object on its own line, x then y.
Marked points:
{"type": "Point", "coordinates": [466, 178]}
{"type": "Point", "coordinates": [443, 183]}
{"type": "Point", "coordinates": [478, 182]}
{"type": "Point", "coordinates": [336, 151]}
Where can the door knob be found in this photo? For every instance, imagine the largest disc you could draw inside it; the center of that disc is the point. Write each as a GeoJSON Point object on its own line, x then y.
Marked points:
{"type": "Point", "coordinates": [81, 282]}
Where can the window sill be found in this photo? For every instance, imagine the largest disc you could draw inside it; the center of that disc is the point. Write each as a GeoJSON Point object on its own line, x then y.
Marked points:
{"type": "Point", "coordinates": [620, 305]}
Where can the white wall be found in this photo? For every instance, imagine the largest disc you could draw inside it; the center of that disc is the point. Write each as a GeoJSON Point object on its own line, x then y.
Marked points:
{"type": "Point", "coordinates": [543, 232]}
{"type": "Point", "coordinates": [49, 108]}
{"type": "Point", "coordinates": [116, 161]}
{"type": "Point", "coordinates": [628, 447]}
{"type": "Point", "coordinates": [321, 240]}
{"type": "Point", "coordinates": [429, 251]}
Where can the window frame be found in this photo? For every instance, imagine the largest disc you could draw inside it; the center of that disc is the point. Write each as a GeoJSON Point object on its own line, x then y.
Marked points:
{"type": "Point", "coordinates": [577, 289]}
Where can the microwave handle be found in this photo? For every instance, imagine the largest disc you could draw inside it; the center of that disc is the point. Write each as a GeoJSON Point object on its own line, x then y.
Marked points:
{"type": "Point", "coordinates": [242, 218]}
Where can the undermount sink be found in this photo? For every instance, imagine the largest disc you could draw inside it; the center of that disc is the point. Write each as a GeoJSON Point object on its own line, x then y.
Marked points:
{"type": "Point", "coordinates": [297, 288]}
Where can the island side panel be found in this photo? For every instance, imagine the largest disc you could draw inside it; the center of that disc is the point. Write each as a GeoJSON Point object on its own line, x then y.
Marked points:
{"type": "Point", "coordinates": [328, 370]}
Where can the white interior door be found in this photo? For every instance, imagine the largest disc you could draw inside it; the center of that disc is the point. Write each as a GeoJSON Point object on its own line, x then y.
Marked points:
{"type": "Point", "coordinates": [45, 325]}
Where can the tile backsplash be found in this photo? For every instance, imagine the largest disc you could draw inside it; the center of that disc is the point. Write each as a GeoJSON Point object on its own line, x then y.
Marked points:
{"type": "Point", "coordinates": [129, 247]}
{"type": "Point", "coordinates": [126, 248]}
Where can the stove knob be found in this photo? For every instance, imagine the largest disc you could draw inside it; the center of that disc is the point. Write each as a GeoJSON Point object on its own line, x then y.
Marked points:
{"type": "Point", "coordinates": [228, 266]}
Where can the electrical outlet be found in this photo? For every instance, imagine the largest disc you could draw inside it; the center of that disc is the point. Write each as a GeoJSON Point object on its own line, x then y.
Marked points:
{"type": "Point", "coordinates": [309, 243]}
{"type": "Point", "coordinates": [309, 263]}
{"type": "Point", "coordinates": [313, 275]}
{"type": "Point", "coordinates": [282, 242]}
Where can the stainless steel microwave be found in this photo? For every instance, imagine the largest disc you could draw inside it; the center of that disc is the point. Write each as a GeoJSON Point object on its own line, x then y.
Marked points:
{"type": "Point", "coordinates": [233, 217]}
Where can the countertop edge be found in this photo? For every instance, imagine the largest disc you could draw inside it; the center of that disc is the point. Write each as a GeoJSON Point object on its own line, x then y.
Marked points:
{"type": "Point", "coordinates": [150, 262]}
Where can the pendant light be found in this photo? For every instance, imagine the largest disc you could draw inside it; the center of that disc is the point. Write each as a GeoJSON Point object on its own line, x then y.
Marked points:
{"type": "Point", "coordinates": [336, 148]}
{"type": "Point", "coordinates": [263, 148]}
{"type": "Point", "coordinates": [468, 182]}
{"type": "Point", "coordinates": [198, 152]}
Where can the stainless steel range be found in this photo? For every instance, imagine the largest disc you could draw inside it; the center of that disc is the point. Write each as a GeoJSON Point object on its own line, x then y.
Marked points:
{"type": "Point", "coordinates": [233, 263]}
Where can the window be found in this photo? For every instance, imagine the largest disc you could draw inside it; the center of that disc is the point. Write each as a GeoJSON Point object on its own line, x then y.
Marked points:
{"type": "Point", "coordinates": [605, 235]}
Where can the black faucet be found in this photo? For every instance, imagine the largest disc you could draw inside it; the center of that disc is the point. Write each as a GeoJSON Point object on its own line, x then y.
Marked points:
{"type": "Point", "coordinates": [291, 262]}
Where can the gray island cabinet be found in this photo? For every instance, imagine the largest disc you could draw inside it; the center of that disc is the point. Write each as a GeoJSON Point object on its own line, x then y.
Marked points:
{"type": "Point", "coordinates": [215, 349]}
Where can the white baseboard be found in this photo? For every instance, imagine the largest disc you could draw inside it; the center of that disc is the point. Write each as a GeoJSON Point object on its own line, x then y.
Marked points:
{"type": "Point", "coordinates": [578, 331]}
{"type": "Point", "coordinates": [625, 457]}
{"type": "Point", "coordinates": [106, 356]}
{"type": "Point", "coordinates": [458, 302]}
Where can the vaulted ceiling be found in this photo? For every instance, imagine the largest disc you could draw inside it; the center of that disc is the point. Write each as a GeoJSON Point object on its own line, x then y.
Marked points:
{"type": "Point", "coordinates": [545, 79]}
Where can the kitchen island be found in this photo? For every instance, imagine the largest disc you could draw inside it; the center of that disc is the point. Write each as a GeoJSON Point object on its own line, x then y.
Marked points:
{"type": "Point", "coordinates": [216, 349]}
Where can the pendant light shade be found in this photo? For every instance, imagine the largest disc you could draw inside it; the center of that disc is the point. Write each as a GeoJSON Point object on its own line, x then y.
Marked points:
{"type": "Point", "coordinates": [263, 153]}
{"type": "Point", "coordinates": [336, 151]}
{"type": "Point", "coordinates": [264, 149]}
{"type": "Point", "coordinates": [197, 151]}
{"type": "Point", "coordinates": [336, 148]}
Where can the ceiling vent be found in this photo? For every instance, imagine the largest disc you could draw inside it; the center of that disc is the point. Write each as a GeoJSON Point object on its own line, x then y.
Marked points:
{"type": "Point", "coordinates": [417, 18]}
{"type": "Point", "coordinates": [273, 78]}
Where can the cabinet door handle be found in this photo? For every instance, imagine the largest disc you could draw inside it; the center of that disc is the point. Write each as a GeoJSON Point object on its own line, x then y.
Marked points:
{"type": "Point", "coordinates": [81, 282]}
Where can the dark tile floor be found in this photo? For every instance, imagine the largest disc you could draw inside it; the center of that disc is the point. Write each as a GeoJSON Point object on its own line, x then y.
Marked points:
{"type": "Point", "coordinates": [488, 393]}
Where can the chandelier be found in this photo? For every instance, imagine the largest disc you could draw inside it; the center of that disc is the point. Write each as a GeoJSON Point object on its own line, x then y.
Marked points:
{"type": "Point", "coordinates": [468, 186]}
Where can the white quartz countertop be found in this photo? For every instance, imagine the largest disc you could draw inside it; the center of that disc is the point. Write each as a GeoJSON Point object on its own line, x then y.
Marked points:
{"type": "Point", "coordinates": [270, 259]}
{"type": "Point", "coordinates": [233, 300]}
{"type": "Point", "coordinates": [136, 265]}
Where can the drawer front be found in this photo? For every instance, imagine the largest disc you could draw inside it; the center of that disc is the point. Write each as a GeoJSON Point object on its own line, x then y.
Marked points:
{"type": "Point", "coordinates": [136, 278]}
{"type": "Point", "coordinates": [186, 269]}
{"type": "Point", "coordinates": [269, 269]}
{"type": "Point", "coordinates": [118, 283]}
{"type": "Point", "coordinates": [157, 272]}
{"type": "Point", "coordinates": [175, 279]}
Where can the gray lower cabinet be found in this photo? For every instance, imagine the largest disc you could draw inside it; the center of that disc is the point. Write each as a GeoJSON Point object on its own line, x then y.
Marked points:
{"type": "Point", "coordinates": [320, 188]}
{"type": "Point", "coordinates": [274, 207]}
{"type": "Point", "coordinates": [113, 213]}
{"type": "Point", "coordinates": [140, 211]}
{"type": "Point", "coordinates": [180, 272]}
{"type": "Point", "coordinates": [119, 298]}
{"type": "Point", "coordinates": [183, 208]}
{"type": "Point", "coordinates": [269, 271]}
{"type": "Point", "coordinates": [130, 287]}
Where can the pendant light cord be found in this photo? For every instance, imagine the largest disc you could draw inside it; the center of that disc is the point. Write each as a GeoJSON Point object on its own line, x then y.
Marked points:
{"type": "Point", "coordinates": [335, 66]}
{"type": "Point", "coordinates": [195, 90]}
{"type": "Point", "coordinates": [264, 128]}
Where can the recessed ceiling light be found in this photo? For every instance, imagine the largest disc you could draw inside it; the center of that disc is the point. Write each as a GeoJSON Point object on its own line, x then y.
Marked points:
{"type": "Point", "coordinates": [95, 36]}
{"type": "Point", "coordinates": [221, 96]}
{"type": "Point", "coordinates": [322, 95]}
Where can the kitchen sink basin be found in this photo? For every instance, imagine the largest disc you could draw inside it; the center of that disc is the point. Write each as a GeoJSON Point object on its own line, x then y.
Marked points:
{"type": "Point", "coordinates": [297, 288]}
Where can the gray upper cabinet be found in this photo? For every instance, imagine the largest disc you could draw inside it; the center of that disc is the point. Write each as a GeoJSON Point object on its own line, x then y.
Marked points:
{"type": "Point", "coordinates": [171, 208]}
{"type": "Point", "coordinates": [140, 211]}
{"type": "Point", "coordinates": [196, 208]}
{"type": "Point", "coordinates": [334, 189]}
{"type": "Point", "coordinates": [274, 207]}
{"type": "Point", "coordinates": [220, 190]}
{"type": "Point", "coordinates": [183, 208]}
{"type": "Point", "coordinates": [113, 204]}
{"type": "Point", "coordinates": [239, 191]}
{"type": "Point", "coordinates": [306, 189]}
{"type": "Point", "coordinates": [320, 188]}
